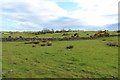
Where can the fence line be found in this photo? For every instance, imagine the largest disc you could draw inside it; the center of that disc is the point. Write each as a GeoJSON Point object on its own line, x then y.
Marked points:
{"type": "Point", "coordinates": [52, 39]}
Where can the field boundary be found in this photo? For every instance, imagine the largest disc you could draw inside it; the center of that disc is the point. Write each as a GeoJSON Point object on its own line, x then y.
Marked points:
{"type": "Point", "coordinates": [53, 39]}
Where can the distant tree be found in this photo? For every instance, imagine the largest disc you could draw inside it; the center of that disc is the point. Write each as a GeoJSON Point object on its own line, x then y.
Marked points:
{"type": "Point", "coordinates": [57, 31]}
{"type": "Point", "coordinates": [69, 30]}
{"type": "Point", "coordinates": [52, 31]}
{"type": "Point", "coordinates": [45, 30]}
{"type": "Point", "coordinates": [63, 30]}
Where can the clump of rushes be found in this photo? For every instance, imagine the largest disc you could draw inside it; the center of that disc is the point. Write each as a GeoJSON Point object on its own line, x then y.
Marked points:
{"type": "Point", "coordinates": [42, 44]}
{"type": "Point", "coordinates": [33, 46]}
{"type": "Point", "coordinates": [35, 42]}
{"type": "Point", "coordinates": [28, 42]}
{"type": "Point", "coordinates": [113, 44]}
{"type": "Point", "coordinates": [49, 44]}
{"type": "Point", "coordinates": [104, 40]}
{"type": "Point", "coordinates": [20, 37]}
{"type": "Point", "coordinates": [32, 42]}
{"type": "Point", "coordinates": [9, 36]}
{"type": "Point", "coordinates": [87, 34]}
{"type": "Point", "coordinates": [69, 47]}
{"type": "Point", "coordinates": [44, 41]}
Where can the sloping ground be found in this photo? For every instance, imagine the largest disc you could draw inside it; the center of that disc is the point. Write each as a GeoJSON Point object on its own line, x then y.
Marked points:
{"type": "Point", "coordinates": [88, 58]}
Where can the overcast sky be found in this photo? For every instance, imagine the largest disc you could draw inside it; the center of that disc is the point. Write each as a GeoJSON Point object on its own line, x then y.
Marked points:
{"type": "Point", "coordinates": [35, 15]}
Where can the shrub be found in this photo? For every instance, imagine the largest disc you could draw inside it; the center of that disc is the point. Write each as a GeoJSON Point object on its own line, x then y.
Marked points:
{"type": "Point", "coordinates": [118, 31]}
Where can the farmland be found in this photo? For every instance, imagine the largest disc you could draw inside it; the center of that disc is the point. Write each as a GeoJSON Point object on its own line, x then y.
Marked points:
{"type": "Point", "coordinates": [87, 59]}
{"type": "Point", "coordinates": [50, 35]}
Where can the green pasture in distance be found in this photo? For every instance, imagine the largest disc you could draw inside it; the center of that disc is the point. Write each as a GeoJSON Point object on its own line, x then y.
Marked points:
{"type": "Point", "coordinates": [55, 35]}
{"type": "Point", "coordinates": [88, 58]}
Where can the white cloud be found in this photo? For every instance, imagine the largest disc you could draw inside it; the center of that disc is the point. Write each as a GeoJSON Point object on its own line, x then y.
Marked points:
{"type": "Point", "coordinates": [96, 12]}
{"type": "Point", "coordinates": [34, 11]}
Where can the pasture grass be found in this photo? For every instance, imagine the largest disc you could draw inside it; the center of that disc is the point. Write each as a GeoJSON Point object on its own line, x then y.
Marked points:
{"type": "Point", "coordinates": [55, 35]}
{"type": "Point", "coordinates": [88, 58]}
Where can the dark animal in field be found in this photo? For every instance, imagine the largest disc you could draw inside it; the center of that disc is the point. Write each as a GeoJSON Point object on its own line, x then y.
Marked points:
{"type": "Point", "coordinates": [65, 34]}
{"type": "Point", "coordinates": [69, 47]}
{"type": "Point", "coordinates": [113, 44]}
{"type": "Point", "coordinates": [42, 44]}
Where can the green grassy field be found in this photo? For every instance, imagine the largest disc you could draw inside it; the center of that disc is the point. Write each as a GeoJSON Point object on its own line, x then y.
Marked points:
{"type": "Point", "coordinates": [56, 35]}
{"type": "Point", "coordinates": [88, 58]}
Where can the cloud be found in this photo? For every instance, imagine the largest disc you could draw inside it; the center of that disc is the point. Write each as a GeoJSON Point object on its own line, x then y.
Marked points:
{"type": "Point", "coordinates": [95, 12]}
{"type": "Point", "coordinates": [39, 14]}
{"type": "Point", "coordinates": [31, 11]}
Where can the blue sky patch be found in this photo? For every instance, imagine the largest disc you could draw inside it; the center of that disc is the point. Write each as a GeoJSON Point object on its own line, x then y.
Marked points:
{"type": "Point", "coordinates": [69, 6]}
